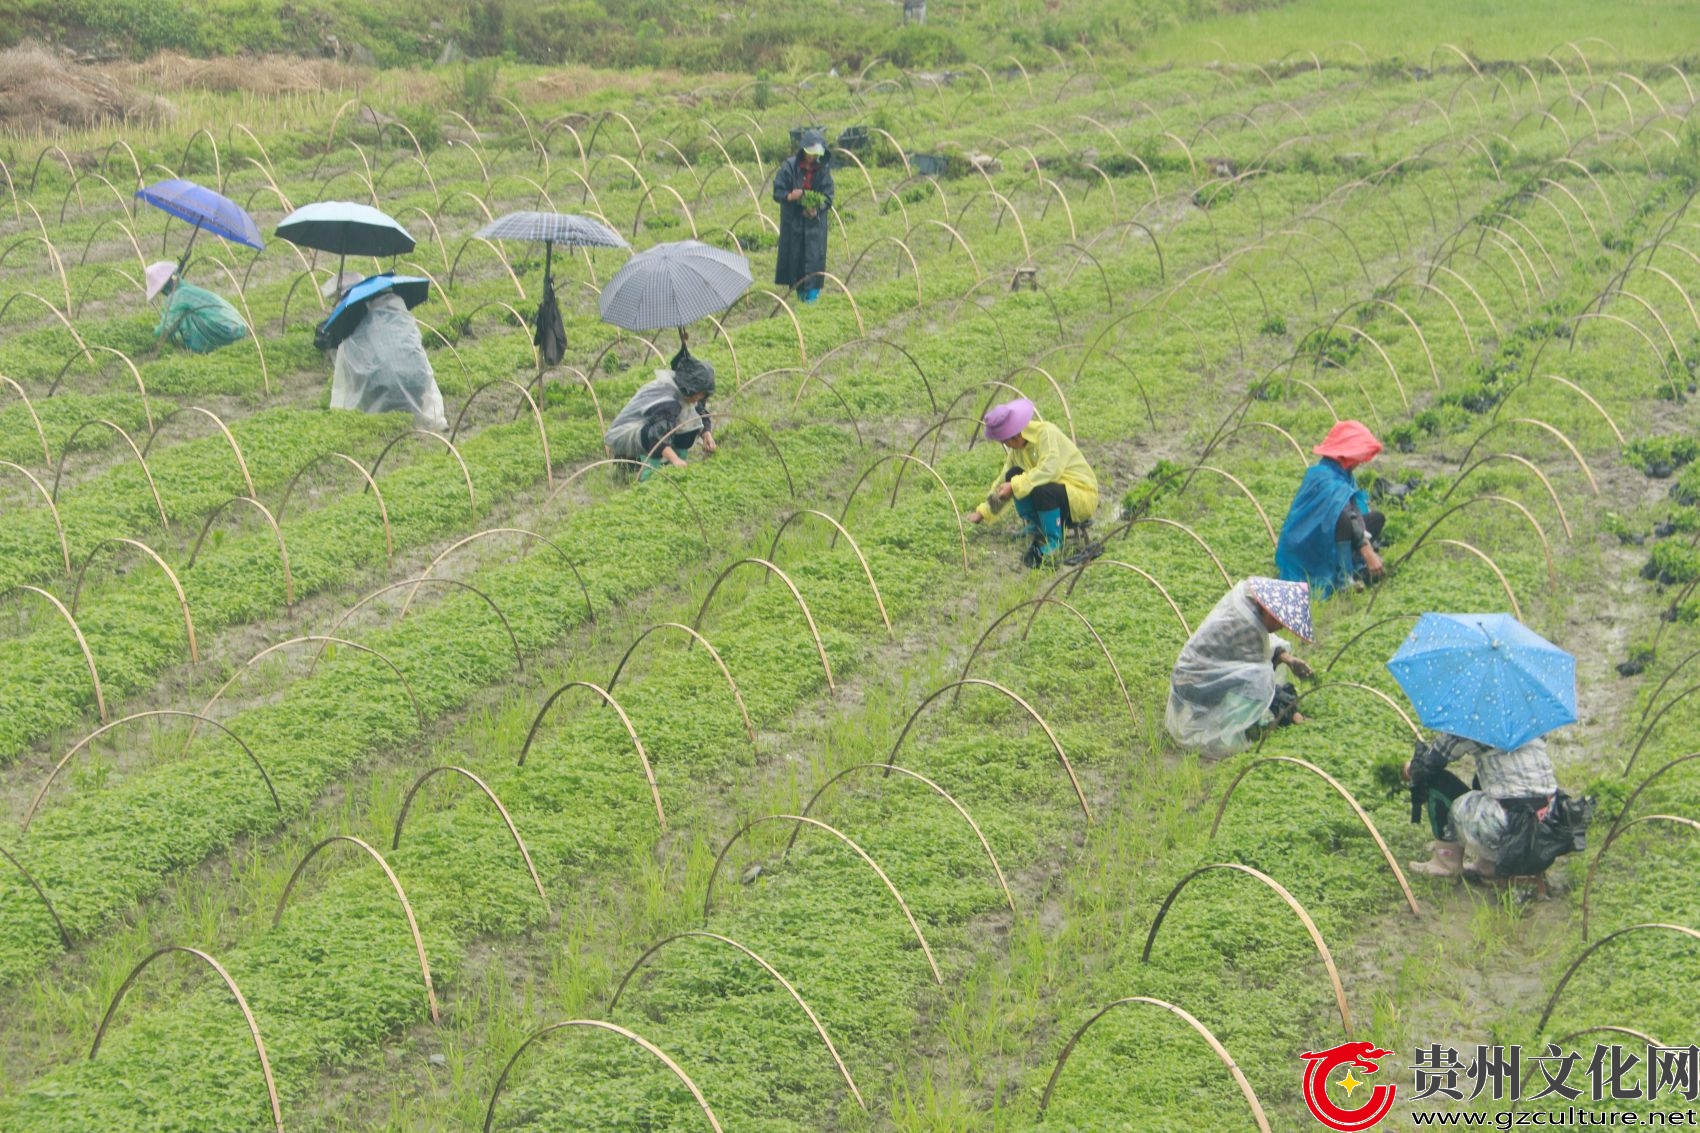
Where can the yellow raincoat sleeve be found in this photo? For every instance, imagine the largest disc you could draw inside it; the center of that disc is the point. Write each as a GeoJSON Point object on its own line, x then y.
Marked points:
{"type": "Point", "coordinates": [985, 509]}
{"type": "Point", "coordinates": [1049, 457]}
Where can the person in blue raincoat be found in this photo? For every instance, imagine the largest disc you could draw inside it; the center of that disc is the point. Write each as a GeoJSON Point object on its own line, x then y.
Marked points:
{"type": "Point", "coordinates": [802, 227]}
{"type": "Point", "coordinates": [1329, 536]}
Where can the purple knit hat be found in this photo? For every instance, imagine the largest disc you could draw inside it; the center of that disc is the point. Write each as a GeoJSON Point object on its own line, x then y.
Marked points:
{"type": "Point", "coordinates": [1007, 420]}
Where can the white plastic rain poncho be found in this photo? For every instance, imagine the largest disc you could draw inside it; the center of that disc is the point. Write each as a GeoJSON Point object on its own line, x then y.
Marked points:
{"type": "Point", "coordinates": [382, 367]}
{"type": "Point", "coordinates": [658, 413]}
{"type": "Point", "coordinates": [1224, 680]}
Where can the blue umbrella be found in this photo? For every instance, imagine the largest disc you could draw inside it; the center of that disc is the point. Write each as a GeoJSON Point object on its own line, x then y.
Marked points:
{"type": "Point", "coordinates": [1486, 677]}
{"type": "Point", "coordinates": [204, 208]}
{"type": "Point", "coordinates": [346, 315]}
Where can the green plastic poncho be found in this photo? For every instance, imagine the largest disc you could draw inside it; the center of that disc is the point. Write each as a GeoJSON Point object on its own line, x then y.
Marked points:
{"type": "Point", "coordinates": [198, 320]}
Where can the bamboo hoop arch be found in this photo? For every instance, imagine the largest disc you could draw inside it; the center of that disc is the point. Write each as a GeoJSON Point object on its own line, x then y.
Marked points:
{"type": "Point", "coordinates": [458, 544]}
{"type": "Point", "coordinates": [64, 937]}
{"type": "Point", "coordinates": [1564, 980]}
{"type": "Point", "coordinates": [1038, 604]}
{"type": "Point", "coordinates": [471, 499]}
{"type": "Point", "coordinates": [1026, 707]}
{"type": "Point", "coordinates": [1564, 440]}
{"type": "Point", "coordinates": [888, 768]}
{"type": "Point", "coordinates": [598, 1024]}
{"type": "Point", "coordinates": [1356, 637]}
{"type": "Point", "coordinates": [702, 528]}
{"type": "Point", "coordinates": [814, 632]}
{"type": "Point", "coordinates": [956, 512]}
{"type": "Point", "coordinates": [1075, 574]}
{"type": "Point", "coordinates": [171, 576]}
{"type": "Point", "coordinates": [371, 484]}
{"type": "Point", "coordinates": [536, 415]}
{"type": "Point", "coordinates": [882, 343]}
{"type": "Point", "coordinates": [867, 859]}
{"type": "Point", "coordinates": [82, 642]}
{"type": "Point", "coordinates": [1126, 531]}
{"type": "Point", "coordinates": [322, 640]}
{"type": "Point", "coordinates": [1404, 716]}
{"type": "Point", "coordinates": [277, 533]}
{"type": "Point", "coordinates": [507, 820]}
{"type": "Point", "coordinates": [737, 697]}
{"type": "Point", "coordinates": [1644, 732]}
{"type": "Point", "coordinates": [59, 472]}
{"type": "Point", "coordinates": [1292, 903]}
{"type": "Point", "coordinates": [401, 895]}
{"type": "Point", "coordinates": [235, 449]}
{"type": "Point", "coordinates": [1304, 460]}
{"type": "Point", "coordinates": [1236, 482]}
{"type": "Point", "coordinates": [1357, 809]}
{"type": "Point", "coordinates": [1616, 831]}
{"type": "Point", "coordinates": [1629, 803]}
{"type": "Point", "coordinates": [519, 661]}
{"type": "Point", "coordinates": [1510, 595]}
{"type": "Point", "coordinates": [820, 1028]}
{"type": "Point", "coordinates": [236, 993]}
{"type": "Point", "coordinates": [1216, 1047]}
{"type": "Point", "coordinates": [52, 510]}
{"type": "Point", "coordinates": [1546, 547]}
{"type": "Point", "coordinates": [608, 699]}
{"type": "Point", "coordinates": [1564, 520]}
{"type": "Point", "coordinates": [838, 529]}
{"type": "Point", "coordinates": [46, 457]}
{"type": "Point", "coordinates": [40, 794]}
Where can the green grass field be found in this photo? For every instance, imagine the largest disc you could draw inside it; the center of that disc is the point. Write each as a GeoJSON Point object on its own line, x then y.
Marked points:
{"type": "Point", "coordinates": [414, 827]}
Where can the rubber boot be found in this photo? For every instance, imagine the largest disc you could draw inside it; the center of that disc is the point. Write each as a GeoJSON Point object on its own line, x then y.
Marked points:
{"type": "Point", "coordinates": [1447, 860]}
{"type": "Point", "coordinates": [810, 294]}
{"type": "Point", "coordinates": [1046, 542]}
{"type": "Point", "coordinates": [651, 465]}
{"type": "Point", "coordinates": [1030, 515]}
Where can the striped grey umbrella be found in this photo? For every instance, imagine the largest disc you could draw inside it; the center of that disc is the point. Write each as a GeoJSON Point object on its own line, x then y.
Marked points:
{"type": "Point", "coordinates": [673, 285]}
{"type": "Point", "coordinates": [567, 229]}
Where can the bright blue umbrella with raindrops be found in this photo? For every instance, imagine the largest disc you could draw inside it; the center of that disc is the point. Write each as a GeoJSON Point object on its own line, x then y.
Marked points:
{"type": "Point", "coordinates": [1486, 677]}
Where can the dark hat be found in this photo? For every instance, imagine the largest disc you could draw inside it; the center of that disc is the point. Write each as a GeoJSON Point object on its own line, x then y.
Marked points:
{"type": "Point", "coordinates": [691, 374]}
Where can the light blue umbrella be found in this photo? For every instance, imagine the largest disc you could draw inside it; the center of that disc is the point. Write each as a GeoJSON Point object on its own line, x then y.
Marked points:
{"type": "Point", "coordinates": [1486, 677]}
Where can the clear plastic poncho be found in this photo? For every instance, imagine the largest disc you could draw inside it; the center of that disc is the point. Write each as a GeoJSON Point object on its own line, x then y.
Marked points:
{"type": "Point", "coordinates": [382, 367]}
{"type": "Point", "coordinates": [1223, 682]}
{"type": "Point", "coordinates": [624, 437]}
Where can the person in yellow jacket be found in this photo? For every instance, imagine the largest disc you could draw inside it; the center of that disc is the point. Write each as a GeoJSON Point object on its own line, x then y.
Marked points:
{"type": "Point", "coordinates": [1050, 482]}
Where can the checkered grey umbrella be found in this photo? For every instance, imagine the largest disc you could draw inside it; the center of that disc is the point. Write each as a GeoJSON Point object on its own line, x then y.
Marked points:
{"type": "Point", "coordinates": [566, 229]}
{"type": "Point", "coordinates": [673, 285]}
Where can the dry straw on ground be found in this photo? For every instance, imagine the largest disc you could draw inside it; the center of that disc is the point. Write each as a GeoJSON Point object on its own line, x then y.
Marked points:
{"type": "Point", "coordinates": [261, 74]}
{"type": "Point", "coordinates": [45, 92]}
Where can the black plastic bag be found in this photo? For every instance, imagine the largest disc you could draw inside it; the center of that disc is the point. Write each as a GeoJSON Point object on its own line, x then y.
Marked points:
{"type": "Point", "coordinates": [551, 336]}
{"type": "Point", "coordinates": [1535, 837]}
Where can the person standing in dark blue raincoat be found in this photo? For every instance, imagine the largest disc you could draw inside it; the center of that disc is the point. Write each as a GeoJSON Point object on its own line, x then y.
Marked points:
{"type": "Point", "coordinates": [803, 227]}
{"type": "Point", "coordinates": [1330, 532]}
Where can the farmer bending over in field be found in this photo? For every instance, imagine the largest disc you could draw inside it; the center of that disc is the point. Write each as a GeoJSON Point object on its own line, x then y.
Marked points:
{"type": "Point", "coordinates": [1499, 817]}
{"type": "Point", "coordinates": [666, 416]}
{"type": "Point", "coordinates": [194, 318]}
{"type": "Point", "coordinates": [1330, 534]}
{"type": "Point", "coordinates": [1225, 688]}
{"type": "Point", "coordinates": [1049, 480]}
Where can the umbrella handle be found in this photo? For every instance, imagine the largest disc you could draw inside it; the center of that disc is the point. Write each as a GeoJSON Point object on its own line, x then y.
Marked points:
{"type": "Point", "coordinates": [184, 261]}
